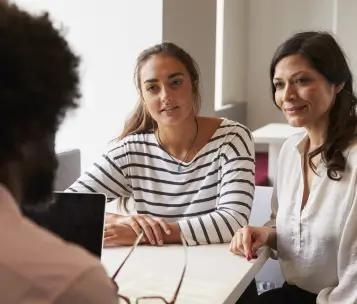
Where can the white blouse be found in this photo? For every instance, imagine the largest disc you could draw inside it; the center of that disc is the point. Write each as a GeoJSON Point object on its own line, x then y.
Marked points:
{"type": "Point", "coordinates": [317, 247]}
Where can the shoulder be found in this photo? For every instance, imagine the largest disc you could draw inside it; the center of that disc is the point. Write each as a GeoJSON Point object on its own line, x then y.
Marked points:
{"type": "Point", "coordinates": [351, 156]}
{"type": "Point", "coordinates": [229, 127]}
{"type": "Point", "coordinates": [132, 142]}
{"type": "Point", "coordinates": [235, 137]}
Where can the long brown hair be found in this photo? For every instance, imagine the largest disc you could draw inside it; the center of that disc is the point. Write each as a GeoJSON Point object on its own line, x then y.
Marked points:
{"type": "Point", "coordinates": [327, 57]}
{"type": "Point", "coordinates": [140, 120]}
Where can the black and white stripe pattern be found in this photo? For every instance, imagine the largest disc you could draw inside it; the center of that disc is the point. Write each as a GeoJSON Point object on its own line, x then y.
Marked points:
{"type": "Point", "coordinates": [210, 197]}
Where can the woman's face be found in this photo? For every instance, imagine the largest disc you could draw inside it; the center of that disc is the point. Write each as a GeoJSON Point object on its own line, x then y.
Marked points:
{"type": "Point", "coordinates": [302, 93]}
{"type": "Point", "coordinates": [166, 90]}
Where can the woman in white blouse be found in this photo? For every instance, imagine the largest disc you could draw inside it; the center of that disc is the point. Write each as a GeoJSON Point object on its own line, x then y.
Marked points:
{"type": "Point", "coordinates": [313, 223]}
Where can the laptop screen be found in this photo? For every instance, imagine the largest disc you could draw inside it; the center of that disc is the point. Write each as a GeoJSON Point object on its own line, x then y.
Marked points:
{"type": "Point", "coordinates": [75, 217]}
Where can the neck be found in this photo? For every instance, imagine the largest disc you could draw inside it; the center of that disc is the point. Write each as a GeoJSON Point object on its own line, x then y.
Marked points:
{"type": "Point", "coordinates": [178, 139]}
{"type": "Point", "coordinates": [316, 137]}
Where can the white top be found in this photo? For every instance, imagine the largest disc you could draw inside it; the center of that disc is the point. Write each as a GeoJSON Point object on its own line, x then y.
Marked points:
{"type": "Point", "coordinates": [274, 133]}
{"type": "Point", "coordinates": [317, 248]}
{"type": "Point", "coordinates": [37, 267]}
{"type": "Point", "coordinates": [210, 197]}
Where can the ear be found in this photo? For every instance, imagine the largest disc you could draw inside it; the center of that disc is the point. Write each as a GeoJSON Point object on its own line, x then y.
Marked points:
{"type": "Point", "coordinates": [339, 87]}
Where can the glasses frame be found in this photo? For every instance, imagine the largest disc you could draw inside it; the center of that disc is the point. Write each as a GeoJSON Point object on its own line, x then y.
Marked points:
{"type": "Point", "coordinates": [136, 243]}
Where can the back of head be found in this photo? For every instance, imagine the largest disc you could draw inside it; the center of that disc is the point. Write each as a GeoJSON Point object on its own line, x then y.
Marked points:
{"type": "Point", "coordinates": [324, 55]}
{"type": "Point", "coordinates": [38, 83]}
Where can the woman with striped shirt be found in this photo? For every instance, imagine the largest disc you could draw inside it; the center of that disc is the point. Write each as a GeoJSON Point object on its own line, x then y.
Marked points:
{"type": "Point", "coordinates": [185, 173]}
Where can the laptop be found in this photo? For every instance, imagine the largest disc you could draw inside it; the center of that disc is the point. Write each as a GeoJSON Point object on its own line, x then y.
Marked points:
{"type": "Point", "coordinates": [75, 217]}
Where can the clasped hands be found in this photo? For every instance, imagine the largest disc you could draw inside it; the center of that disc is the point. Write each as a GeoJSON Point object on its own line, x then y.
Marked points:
{"type": "Point", "coordinates": [123, 230]}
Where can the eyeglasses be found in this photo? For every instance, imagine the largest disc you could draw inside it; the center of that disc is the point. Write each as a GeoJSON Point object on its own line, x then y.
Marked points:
{"type": "Point", "coordinates": [146, 299]}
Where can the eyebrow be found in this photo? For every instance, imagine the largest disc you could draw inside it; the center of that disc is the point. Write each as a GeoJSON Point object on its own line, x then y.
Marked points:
{"type": "Point", "coordinates": [302, 71]}
{"type": "Point", "coordinates": [169, 77]}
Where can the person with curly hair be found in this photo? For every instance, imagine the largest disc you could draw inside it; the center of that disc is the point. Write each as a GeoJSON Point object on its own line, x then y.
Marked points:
{"type": "Point", "coordinates": [38, 83]}
{"type": "Point", "coordinates": [313, 223]}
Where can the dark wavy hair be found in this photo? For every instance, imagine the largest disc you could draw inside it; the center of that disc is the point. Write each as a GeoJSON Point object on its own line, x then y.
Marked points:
{"type": "Point", "coordinates": [324, 54]}
{"type": "Point", "coordinates": [39, 79]}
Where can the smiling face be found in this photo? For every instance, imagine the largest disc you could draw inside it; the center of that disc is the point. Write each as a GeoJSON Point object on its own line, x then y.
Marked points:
{"type": "Point", "coordinates": [166, 90]}
{"type": "Point", "coordinates": [302, 93]}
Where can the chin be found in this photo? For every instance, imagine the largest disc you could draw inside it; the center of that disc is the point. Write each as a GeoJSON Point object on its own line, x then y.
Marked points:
{"type": "Point", "coordinates": [296, 122]}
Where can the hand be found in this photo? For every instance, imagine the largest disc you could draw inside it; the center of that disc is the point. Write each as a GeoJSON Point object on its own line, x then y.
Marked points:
{"type": "Point", "coordinates": [118, 234]}
{"type": "Point", "coordinates": [151, 226]}
{"type": "Point", "coordinates": [249, 239]}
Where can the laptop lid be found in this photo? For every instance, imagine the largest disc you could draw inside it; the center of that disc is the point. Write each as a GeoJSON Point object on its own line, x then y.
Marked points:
{"type": "Point", "coordinates": [75, 217]}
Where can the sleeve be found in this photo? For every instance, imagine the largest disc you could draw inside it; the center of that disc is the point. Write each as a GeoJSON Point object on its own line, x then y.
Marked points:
{"type": "Point", "coordinates": [274, 208]}
{"type": "Point", "coordinates": [109, 175]}
{"type": "Point", "coordinates": [346, 289]}
{"type": "Point", "coordinates": [235, 198]}
{"type": "Point", "coordinates": [93, 287]}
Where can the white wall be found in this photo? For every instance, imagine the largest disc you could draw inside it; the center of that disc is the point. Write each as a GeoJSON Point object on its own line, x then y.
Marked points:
{"type": "Point", "coordinates": [234, 67]}
{"type": "Point", "coordinates": [192, 25]}
{"type": "Point", "coordinates": [345, 29]}
{"type": "Point", "coordinates": [270, 23]}
{"type": "Point", "coordinates": [108, 37]}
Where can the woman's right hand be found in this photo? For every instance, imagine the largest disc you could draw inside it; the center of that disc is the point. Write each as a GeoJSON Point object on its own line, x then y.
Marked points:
{"type": "Point", "coordinates": [249, 239]}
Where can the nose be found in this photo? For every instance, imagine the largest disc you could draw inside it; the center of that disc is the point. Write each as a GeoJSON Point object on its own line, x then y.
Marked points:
{"type": "Point", "coordinates": [289, 93]}
{"type": "Point", "coordinates": [166, 95]}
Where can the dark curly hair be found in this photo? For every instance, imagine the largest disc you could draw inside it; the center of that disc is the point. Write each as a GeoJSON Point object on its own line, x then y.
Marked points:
{"type": "Point", "coordinates": [39, 79]}
{"type": "Point", "coordinates": [324, 54]}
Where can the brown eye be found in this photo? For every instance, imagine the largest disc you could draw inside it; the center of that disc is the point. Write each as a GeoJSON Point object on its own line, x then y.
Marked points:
{"type": "Point", "coordinates": [301, 80]}
{"type": "Point", "coordinates": [152, 88]}
{"type": "Point", "coordinates": [278, 85]}
{"type": "Point", "coordinates": [177, 82]}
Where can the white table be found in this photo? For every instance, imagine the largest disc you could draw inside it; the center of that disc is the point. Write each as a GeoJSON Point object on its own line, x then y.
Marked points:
{"type": "Point", "coordinates": [213, 275]}
{"type": "Point", "coordinates": [274, 134]}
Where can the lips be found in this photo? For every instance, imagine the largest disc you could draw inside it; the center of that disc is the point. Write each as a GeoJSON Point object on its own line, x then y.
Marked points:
{"type": "Point", "coordinates": [171, 108]}
{"type": "Point", "coordinates": [295, 109]}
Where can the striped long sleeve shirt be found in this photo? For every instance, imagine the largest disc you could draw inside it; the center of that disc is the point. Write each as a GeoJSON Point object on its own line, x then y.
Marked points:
{"type": "Point", "coordinates": [210, 198]}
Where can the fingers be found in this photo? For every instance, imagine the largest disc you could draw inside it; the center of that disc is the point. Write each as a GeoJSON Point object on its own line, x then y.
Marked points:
{"type": "Point", "coordinates": [156, 228]}
{"type": "Point", "coordinates": [164, 225]}
{"type": "Point", "coordinates": [232, 245]}
{"type": "Point", "coordinates": [135, 225]}
{"type": "Point", "coordinates": [247, 241]}
{"type": "Point", "coordinates": [110, 240]}
{"type": "Point", "coordinates": [236, 246]}
{"type": "Point", "coordinates": [151, 229]}
{"type": "Point", "coordinates": [108, 232]}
